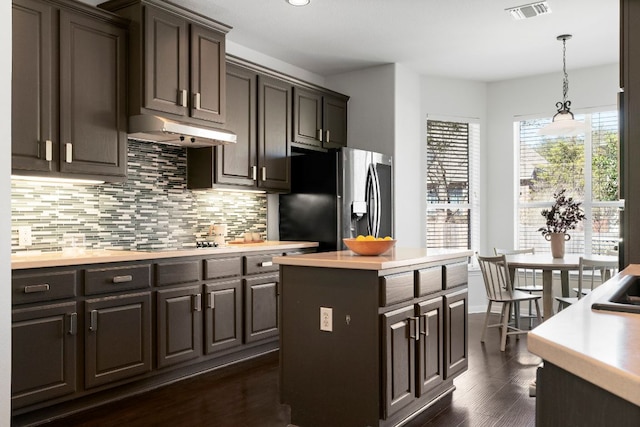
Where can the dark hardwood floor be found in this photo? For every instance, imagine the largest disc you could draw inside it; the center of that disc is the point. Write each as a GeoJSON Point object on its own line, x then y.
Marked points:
{"type": "Point", "coordinates": [493, 392]}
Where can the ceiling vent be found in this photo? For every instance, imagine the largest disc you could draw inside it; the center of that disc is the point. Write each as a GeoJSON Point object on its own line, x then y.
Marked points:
{"type": "Point", "coordinates": [529, 10]}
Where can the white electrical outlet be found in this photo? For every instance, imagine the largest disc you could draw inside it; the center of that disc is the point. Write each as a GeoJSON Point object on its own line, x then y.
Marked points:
{"type": "Point", "coordinates": [326, 319]}
{"type": "Point", "coordinates": [24, 236]}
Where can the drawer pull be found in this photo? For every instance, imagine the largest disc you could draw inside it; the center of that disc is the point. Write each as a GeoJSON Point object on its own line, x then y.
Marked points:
{"type": "Point", "coordinates": [73, 323]}
{"type": "Point", "coordinates": [197, 305]}
{"type": "Point", "coordinates": [93, 322]}
{"type": "Point", "coordinates": [123, 279]}
{"type": "Point", "coordinates": [30, 289]}
{"type": "Point", "coordinates": [266, 264]}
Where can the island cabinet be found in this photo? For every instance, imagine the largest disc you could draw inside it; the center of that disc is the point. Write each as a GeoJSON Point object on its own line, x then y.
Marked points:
{"type": "Point", "coordinates": [383, 340]}
{"type": "Point", "coordinates": [260, 115]}
{"type": "Point", "coordinates": [177, 61]}
{"type": "Point", "coordinates": [319, 119]}
{"type": "Point", "coordinates": [68, 91]}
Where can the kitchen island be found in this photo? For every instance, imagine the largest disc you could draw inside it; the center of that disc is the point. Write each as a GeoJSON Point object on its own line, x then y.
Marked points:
{"type": "Point", "coordinates": [591, 372]}
{"type": "Point", "coordinates": [371, 340]}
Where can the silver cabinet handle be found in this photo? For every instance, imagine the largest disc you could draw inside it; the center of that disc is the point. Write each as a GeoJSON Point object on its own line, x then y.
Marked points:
{"type": "Point", "coordinates": [319, 135]}
{"type": "Point", "coordinates": [69, 152]}
{"type": "Point", "coordinates": [264, 173]}
{"type": "Point", "coordinates": [48, 150]}
{"type": "Point", "coordinates": [73, 323]}
{"type": "Point", "coordinates": [196, 101]}
{"type": "Point", "coordinates": [327, 138]}
{"type": "Point", "coordinates": [30, 289]}
{"type": "Point", "coordinates": [426, 325]}
{"type": "Point", "coordinates": [266, 264]}
{"type": "Point", "coordinates": [416, 328]}
{"type": "Point", "coordinates": [211, 303]}
{"type": "Point", "coordinates": [182, 97]}
{"type": "Point", "coordinates": [93, 320]}
{"type": "Point", "coordinates": [123, 279]}
{"type": "Point", "coordinates": [197, 305]}
{"type": "Point", "coordinates": [254, 173]}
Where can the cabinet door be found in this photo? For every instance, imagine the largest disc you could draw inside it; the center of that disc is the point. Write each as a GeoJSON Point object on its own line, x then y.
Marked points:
{"type": "Point", "coordinates": [334, 122]}
{"type": "Point", "coordinates": [117, 338]}
{"type": "Point", "coordinates": [92, 96]}
{"type": "Point", "coordinates": [207, 74]}
{"type": "Point", "coordinates": [43, 347]}
{"type": "Point", "coordinates": [430, 350]}
{"type": "Point", "coordinates": [166, 62]}
{"type": "Point", "coordinates": [179, 325]}
{"type": "Point", "coordinates": [399, 328]}
{"type": "Point", "coordinates": [261, 308]}
{"type": "Point", "coordinates": [307, 117]}
{"type": "Point", "coordinates": [456, 352]}
{"type": "Point", "coordinates": [34, 112]}
{"type": "Point", "coordinates": [223, 315]}
{"type": "Point", "coordinates": [237, 164]}
{"type": "Point", "coordinates": [274, 134]}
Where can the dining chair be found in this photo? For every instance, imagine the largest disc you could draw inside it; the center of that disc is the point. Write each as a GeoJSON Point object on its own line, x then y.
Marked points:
{"type": "Point", "coordinates": [524, 279]}
{"type": "Point", "coordinates": [497, 282]}
{"type": "Point", "coordinates": [597, 272]}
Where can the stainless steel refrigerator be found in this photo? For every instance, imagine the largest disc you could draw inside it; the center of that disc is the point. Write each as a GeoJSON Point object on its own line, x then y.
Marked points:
{"type": "Point", "coordinates": [342, 193]}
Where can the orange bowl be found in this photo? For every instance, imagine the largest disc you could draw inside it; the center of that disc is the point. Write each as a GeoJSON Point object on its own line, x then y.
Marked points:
{"type": "Point", "coordinates": [369, 247]}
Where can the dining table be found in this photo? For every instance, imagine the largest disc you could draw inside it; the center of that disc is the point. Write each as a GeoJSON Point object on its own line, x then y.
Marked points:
{"type": "Point", "coordinates": [548, 264]}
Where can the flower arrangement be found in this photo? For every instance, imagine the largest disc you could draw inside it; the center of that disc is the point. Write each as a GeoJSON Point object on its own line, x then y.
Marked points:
{"type": "Point", "coordinates": [564, 214]}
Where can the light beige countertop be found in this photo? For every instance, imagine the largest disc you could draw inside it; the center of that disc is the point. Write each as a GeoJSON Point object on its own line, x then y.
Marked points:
{"type": "Point", "coordinates": [396, 257]}
{"type": "Point", "coordinates": [61, 259]}
{"type": "Point", "coordinates": [602, 347]}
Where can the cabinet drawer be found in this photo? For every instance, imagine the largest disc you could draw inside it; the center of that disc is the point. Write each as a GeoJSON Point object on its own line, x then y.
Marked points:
{"type": "Point", "coordinates": [43, 287]}
{"type": "Point", "coordinates": [395, 288]}
{"type": "Point", "coordinates": [254, 264]}
{"type": "Point", "coordinates": [171, 273]}
{"type": "Point", "coordinates": [116, 279]}
{"type": "Point", "coordinates": [428, 280]}
{"type": "Point", "coordinates": [455, 275]}
{"type": "Point", "coordinates": [222, 267]}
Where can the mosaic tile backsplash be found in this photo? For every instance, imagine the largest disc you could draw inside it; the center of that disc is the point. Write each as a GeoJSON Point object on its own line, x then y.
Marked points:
{"type": "Point", "coordinates": [153, 209]}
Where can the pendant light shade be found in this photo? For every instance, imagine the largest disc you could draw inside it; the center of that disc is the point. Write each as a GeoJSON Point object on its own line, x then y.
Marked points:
{"type": "Point", "coordinates": [563, 122]}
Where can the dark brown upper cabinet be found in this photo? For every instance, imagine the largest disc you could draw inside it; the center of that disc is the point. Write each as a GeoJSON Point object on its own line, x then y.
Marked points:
{"type": "Point", "coordinates": [68, 91]}
{"type": "Point", "coordinates": [319, 119]}
{"type": "Point", "coordinates": [177, 61]}
{"type": "Point", "coordinates": [259, 113]}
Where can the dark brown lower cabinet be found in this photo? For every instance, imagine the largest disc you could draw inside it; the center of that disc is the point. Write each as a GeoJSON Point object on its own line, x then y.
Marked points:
{"type": "Point", "coordinates": [179, 325]}
{"type": "Point", "coordinates": [399, 334]}
{"type": "Point", "coordinates": [223, 315]}
{"type": "Point", "coordinates": [261, 307]}
{"type": "Point", "coordinates": [117, 338]}
{"type": "Point", "coordinates": [43, 364]}
{"type": "Point", "coordinates": [430, 346]}
{"type": "Point", "coordinates": [456, 326]}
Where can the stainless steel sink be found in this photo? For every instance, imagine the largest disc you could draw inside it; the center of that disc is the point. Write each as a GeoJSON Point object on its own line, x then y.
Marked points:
{"type": "Point", "coordinates": [625, 299]}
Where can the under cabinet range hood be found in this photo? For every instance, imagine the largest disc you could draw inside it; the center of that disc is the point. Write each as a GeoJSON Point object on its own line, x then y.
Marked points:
{"type": "Point", "coordinates": [151, 128]}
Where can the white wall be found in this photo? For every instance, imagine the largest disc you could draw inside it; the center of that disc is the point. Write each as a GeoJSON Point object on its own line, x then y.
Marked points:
{"type": "Point", "coordinates": [537, 95]}
{"type": "Point", "coordinates": [5, 216]}
{"type": "Point", "coordinates": [408, 159]}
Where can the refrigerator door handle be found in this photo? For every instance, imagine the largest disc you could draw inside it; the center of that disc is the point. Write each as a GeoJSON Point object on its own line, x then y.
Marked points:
{"type": "Point", "coordinates": [377, 199]}
{"type": "Point", "coordinates": [373, 200]}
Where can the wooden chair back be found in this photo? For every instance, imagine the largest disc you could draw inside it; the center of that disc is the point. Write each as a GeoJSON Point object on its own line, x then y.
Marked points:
{"type": "Point", "coordinates": [528, 274]}
{"type": "Point", "coordinates": [594, 268]}
{"type": "Point", "coordinates": [495, 273]}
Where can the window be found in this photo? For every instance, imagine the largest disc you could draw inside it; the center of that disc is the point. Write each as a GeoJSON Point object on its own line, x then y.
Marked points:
{"type": "Point", "coordinates": [452, 181]}
{"type": "Point", "coordinates": [586, 165]}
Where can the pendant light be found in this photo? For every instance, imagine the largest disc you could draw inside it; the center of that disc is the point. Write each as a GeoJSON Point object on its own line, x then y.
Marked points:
{"type": "Point", "coordinates": [563, 123]}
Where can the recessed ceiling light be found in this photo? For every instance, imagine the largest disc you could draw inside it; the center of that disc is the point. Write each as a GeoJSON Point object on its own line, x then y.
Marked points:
{"type": "Point", "coordinates": [298, 2]}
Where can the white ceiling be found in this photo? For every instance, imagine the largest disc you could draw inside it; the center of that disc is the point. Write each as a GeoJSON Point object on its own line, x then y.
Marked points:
{"type": "Point", "coordinates": [467, 39]}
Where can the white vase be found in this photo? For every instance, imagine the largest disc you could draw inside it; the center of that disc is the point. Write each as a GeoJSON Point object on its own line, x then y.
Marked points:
{"type": "Point", "coordinates": [557, 243]}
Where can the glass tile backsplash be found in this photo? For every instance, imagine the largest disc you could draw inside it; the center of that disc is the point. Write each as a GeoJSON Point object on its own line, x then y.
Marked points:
{"type": "Point", "coordinates": [152, 209]}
